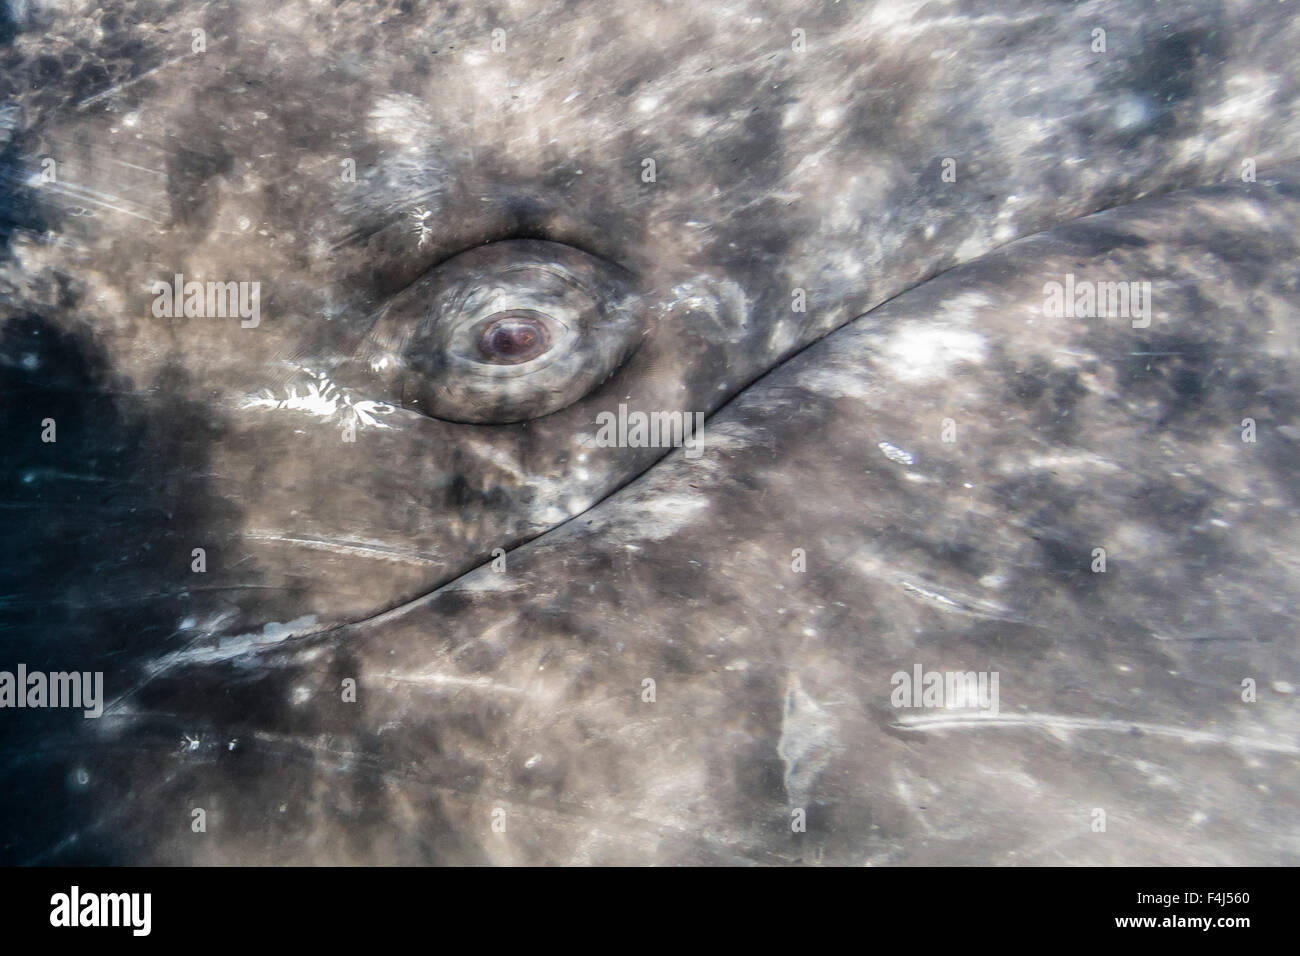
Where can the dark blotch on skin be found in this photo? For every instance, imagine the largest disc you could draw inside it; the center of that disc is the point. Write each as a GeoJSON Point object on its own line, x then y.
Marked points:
{"type": "Point", "coordinates": [98, 586]}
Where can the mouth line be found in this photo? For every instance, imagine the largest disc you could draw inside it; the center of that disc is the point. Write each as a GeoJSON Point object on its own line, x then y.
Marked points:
{"type": "Point", "coordinates": [303, 637]}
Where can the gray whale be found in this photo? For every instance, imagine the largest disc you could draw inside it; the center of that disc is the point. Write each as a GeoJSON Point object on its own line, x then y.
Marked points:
{"type": "Point", "coordinates": [438, 621]}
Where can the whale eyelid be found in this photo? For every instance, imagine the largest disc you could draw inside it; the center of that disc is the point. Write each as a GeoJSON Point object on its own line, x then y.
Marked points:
{"type": "Point", "coordinates": [413, 269]}
{"type": "Point", "coordinates": [360, 238]}
{"type": "Point", "coordinates": [533, 235]}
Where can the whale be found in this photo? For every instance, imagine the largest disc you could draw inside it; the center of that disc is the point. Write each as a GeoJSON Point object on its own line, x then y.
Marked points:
{"type": "Point", "coordinates": [632, 434]}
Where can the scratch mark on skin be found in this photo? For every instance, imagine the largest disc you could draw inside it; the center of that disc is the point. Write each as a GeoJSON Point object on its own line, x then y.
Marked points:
{"type": "Point", "coordinates": [84, 194]}
{"type": "Point", "coordinates": [935, 596]}
{"type": "Point", "coordinates": [95, 98]}
{"type": "Point", "coordinates": [343, 546]}
{"type": "Point", "coordinates": [1054, 722]}
{"type": "Point", "coordinates": [449, 680]}
{"type": "Point", "coordinates": [986, 610]}
{"type": "Point", "coordinates": [143, 169]}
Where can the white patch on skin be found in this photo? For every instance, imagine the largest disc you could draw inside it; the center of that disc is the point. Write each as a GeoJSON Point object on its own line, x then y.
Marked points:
{"type": "Point", "coordinates": [1131, 111]}
{"type": "Point", "coordinates": [321, 398]}
{"type": "Point", "coordinates": [484, 578]}
{"type": "Point", "coordinates": [1076, 461]}
{"type": "Point", "coordinates": [923, 353]}
{"type": "Point", "coordinates": [228, 648]}
{"type": "Point", "coordinates": [807, 739]}
{"type": "Point", "coordinates": [785, 335]}
{"type": "Point", "coordinates": [896, 454]}
{"type": "Point", "coordinates": [420, 225]}
{"type": "Point", "coordinates": [577, 506]}
{"type": "Point", "coordinates": [1249, 95]}
{"type": "Point", "coordinates": [730, 436]}
{"type": "Point", "coordinates": [400, 120]}
{"type": "Point", "coordinates": [553, 514]}
{"type": "Point", "coordinates": [972, 247]}
{"type": "Point", "coordinates": [723, 301]}
{"type": "Point", "coordinates": [1015, 776]}
{"type": "Point", "coordinates": [837, 383]}
{"type": "Point", "coordinates": [669, 514]}
{"type": "Point", "coordinates": [701, 127]}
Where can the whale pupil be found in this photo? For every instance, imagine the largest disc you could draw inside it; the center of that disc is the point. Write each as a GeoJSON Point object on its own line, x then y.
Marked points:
{"type": "Point", "coordinates": [514, 339]}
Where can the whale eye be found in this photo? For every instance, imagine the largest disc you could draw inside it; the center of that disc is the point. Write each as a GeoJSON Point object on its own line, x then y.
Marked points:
{"type": "Point", "coordinates": [514, 337]}
{"type": "Point", "coordinates": [508, 331]}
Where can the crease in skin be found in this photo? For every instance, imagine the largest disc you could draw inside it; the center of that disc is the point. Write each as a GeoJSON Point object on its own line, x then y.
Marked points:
{"type": "Point", "coordinates": [399, 610]}
{"type": "Point", "coordinates": [1057, 722]}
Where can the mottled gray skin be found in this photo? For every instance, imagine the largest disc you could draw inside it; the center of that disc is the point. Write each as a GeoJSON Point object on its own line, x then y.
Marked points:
{"type": "Point", "coordinates": [522, 690]}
